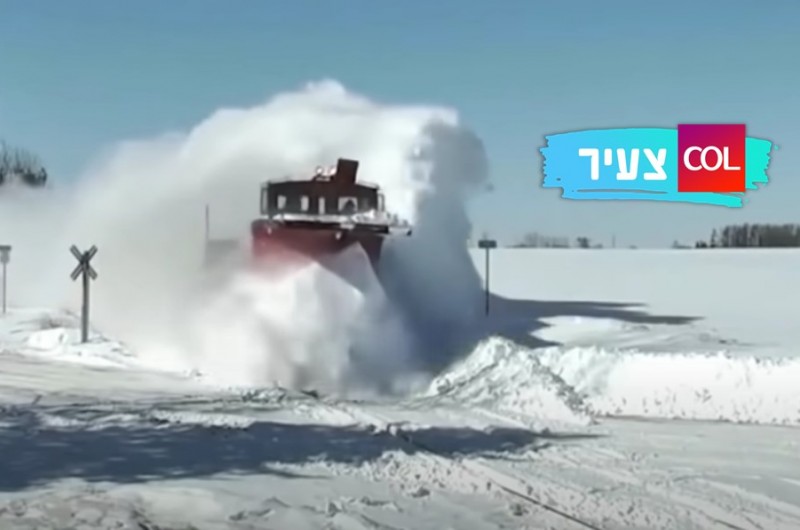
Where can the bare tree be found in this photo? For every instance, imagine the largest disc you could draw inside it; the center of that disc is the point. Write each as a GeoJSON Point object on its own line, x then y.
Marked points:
{"type": "Point", "coordinates": [530, 240]}
{"type": "Point", "coordinates": [537, 240]}
{"type": "Point", "coordinates": [756, 235]}
{"type": "Point", "coordinates": [21, 164]}
{"type": "Point", "coordinates": [5, 162]}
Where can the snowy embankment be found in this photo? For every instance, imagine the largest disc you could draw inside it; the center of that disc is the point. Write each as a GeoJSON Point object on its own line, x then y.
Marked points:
{"type": "Point", "coordinates": [42, 355]}
{"type": "Point", "coordinates": [697, 385]}
{"type": "Point", "coordinates": [56, 335]}
{"type": "Point", "coordinates": [655, 333]}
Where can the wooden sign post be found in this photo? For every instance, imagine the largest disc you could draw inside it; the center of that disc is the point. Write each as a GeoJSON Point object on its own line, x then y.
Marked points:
{"type": "Point", "coordinates": [84, 269]}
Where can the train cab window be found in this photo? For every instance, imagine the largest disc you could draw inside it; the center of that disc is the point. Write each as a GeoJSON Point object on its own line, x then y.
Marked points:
{"type": "Point", "coordinates": [347, 205]}
{"type": "Point", "coordinates": [304, 203]}
{"type": "Point", "coordinates": [365, 204]}
{"type": "Point", "coordinates": [281, 202]}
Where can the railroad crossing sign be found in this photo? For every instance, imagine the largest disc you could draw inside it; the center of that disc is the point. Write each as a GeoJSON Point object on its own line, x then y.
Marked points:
{"type": "Point", "coordinates": [86, 270]}
{"type": "Point", "coordinates": [83, 266]}
{"type": "Point", "coordinates": [5, 257]}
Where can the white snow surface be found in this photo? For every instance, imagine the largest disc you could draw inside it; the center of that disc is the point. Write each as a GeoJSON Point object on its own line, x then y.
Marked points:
{"type": "Point", "coordinates": [700, 335]}
{"type": "Point", "coordinates": [583, 403]}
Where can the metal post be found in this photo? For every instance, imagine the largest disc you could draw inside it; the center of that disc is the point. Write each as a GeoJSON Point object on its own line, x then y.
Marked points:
{"type": "Point", "coordinates": [486, 280]}
{"type": "Point", "coordinates": [487, 245]}
{"type": "Point", "coordinates": [85, 309]}
{"type": "Point", "coordinates": [5, 285]}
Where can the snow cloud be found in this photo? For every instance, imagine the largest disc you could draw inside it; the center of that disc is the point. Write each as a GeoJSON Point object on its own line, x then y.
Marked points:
{"type": "Point", "coordinates": [143, 205]}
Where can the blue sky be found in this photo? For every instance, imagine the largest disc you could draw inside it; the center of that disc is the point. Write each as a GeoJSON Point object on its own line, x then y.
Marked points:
{"type": "Point", "coordinates": [76, 76]}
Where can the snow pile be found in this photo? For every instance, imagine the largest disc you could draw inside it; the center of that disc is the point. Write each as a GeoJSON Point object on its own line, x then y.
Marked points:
{"type": "Point", "coordinates": [143, 205]}
{"type": "Point", "coordinates": [569, 383]}
{"type": "Point", "coordinates": [53, 339]}
{"type": "Point", "coordinates": [501, 375]}
{"type": "Point", "coordinates": [56, 335]}
{"type": "Point", "coordinates": [687, 386]}
{"type": "Point", "coordinates": [64, 344]}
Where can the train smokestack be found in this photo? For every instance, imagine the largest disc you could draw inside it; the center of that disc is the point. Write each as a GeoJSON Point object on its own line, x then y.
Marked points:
{"type": "Point", "coordinates": [346, 171]}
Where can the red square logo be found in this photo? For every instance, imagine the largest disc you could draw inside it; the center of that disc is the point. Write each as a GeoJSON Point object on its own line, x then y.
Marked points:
{"type": "Point", "coordinates": [711, 158]}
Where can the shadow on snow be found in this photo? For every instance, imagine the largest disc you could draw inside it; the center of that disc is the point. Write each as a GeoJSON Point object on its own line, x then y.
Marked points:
{"type": "Point", "coordinates": [35, 452]}
{"type": "Point", "coordinates": [518, 320]}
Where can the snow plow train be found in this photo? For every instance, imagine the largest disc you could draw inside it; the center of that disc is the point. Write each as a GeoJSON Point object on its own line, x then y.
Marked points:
{"type": "Point", "coordinates": [315, 219]}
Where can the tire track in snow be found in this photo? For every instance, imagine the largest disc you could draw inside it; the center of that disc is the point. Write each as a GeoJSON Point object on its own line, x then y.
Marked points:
{"type": "Point", "coordinates": [519, 488]}
{"type": "Point", "coordinates": [509, 483]}
{"type": "Point", "coordinates": [500, 480]}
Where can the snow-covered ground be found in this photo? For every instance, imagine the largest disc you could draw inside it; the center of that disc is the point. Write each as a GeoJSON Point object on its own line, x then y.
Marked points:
{"type": "Point", "coordinates": [592, 401]}
{"type": "Point", "coordinates": [660, 333]}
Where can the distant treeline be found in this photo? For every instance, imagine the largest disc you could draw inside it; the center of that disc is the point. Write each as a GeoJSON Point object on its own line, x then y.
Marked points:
{"type": "Point", "coordinates": [537, 240]}
{"type": "Point", "coordinates": [20, 165]}
{"type": "Point", "coordinates": [754, 235]}
{"type": "Point", "coordinates": [747, 235]}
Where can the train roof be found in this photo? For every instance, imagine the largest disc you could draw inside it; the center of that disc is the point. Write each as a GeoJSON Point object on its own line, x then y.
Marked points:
{"type": "Point", "coordinates": [343, 177]}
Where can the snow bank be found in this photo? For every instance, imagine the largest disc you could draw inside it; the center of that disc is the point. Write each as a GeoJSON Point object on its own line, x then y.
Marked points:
{"type": "Point", "coordinates": [567, 384]}
{"type": "Point", "coordinates": [499, 374]}
{"type": "Point", "coordinates": [627, 346]}
{"type": "Point", "coordinates": [53, 339]}
{"type": "Point", "coordinates": [64, 344]}
{"type": "Point", "coordinates": [687, 386]}
{"type": "Point", "coordinates": [56, 335]}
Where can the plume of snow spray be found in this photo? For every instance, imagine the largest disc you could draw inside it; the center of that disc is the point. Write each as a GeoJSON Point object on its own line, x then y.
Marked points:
{"type": "Point", "coordinates": [143, 206]}
{"type": "Point", "coordinates": [32, 221]}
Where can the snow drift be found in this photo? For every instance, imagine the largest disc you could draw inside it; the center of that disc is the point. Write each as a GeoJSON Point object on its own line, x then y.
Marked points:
{"type": "Point", "coordinates": [571, 384]}
{"type": "Point", "coordinates": [500, 375]}
{"type": "Point", "coordinates": [142, 203]}
{"type": "Point", "coordinates": [697, 386]}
